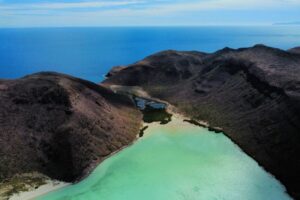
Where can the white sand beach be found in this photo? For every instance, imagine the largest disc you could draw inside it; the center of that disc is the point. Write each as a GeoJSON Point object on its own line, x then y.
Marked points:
{"type": "Point", "coordinates": [30, 195]}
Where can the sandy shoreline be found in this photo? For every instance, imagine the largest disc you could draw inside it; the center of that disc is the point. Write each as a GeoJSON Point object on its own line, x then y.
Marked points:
{"type": "Point", "coordinates": [52, 185]}
{"type": "Point", "coordinates": [43, 189]}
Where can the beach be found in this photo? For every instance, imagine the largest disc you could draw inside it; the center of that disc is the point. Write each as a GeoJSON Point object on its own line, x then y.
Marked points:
{"type": "Point", "coordinates": [43, 189]}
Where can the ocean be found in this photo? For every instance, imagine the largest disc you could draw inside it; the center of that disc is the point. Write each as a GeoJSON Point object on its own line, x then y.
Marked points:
{"type": "Point", "coordinates": [89, 53]}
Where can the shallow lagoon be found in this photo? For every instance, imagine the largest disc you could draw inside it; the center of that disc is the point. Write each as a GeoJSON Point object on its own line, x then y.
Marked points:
{"type": "Point", "coordinates": [176, 161]}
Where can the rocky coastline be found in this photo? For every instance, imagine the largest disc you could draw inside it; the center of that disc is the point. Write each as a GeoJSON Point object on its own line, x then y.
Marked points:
{"type": "Point", "coordinates": [253, 94]}
{"type": "Point", "coordinates": [63, 126]}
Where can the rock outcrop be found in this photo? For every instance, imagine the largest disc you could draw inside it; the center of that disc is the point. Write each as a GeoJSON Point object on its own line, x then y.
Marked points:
{"type": "Point", "coordinates": [253, 94]}
{"type": "Point", "coordinates": [295, 50]}
{"type": "Point", "coordinates": [114, 70]}
{"type": "Point", "coordinates": [61, 126]}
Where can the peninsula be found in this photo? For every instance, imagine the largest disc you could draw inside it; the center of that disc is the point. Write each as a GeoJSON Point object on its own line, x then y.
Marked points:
{"type": "Point", "coordinates": [63, 127]}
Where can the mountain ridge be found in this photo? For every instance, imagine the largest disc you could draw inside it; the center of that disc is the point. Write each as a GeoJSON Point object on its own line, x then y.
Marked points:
{"type": "Point", "coordinates": [252, 93]}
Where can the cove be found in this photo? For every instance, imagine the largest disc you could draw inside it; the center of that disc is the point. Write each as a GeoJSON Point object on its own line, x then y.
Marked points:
{"type": "Point", "coordinates": [176, 161]}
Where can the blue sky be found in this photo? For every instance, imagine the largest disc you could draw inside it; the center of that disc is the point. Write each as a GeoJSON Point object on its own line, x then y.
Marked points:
{"type": "Point", "coordinates": [37, 13]}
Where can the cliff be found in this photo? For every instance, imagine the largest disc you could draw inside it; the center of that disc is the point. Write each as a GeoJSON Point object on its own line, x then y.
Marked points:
{"type": "Point", "coordinates": [61, 126]}
{"type": "Point", "coordinates": [253, 94]}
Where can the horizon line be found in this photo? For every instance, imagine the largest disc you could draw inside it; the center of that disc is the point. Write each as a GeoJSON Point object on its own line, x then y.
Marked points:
{"type": "Point", "coordinates": [151, 26]}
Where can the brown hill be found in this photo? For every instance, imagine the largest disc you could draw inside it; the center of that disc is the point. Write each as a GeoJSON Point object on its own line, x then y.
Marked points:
{"type": "Point", "coordinates": [252, 93]}
{"type": "Point", "coordinates": [61, 126]}
{"type": "Point", "coordinates": [295, 50]}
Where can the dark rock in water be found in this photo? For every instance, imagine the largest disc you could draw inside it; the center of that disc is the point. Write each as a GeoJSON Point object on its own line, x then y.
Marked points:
{"type": "Point", "coordinates": [61, 126]}
{"type": "Point", "coordinates": [142, 131]}
{"type": "Point", "coordinates": [204, 125]}
{"type": "Point", "coordinates": [252, 93]}
{"type": "Point", "coordinates": [195, 122]}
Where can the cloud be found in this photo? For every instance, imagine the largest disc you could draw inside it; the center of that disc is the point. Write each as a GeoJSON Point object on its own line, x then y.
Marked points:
{"type": "Point", "coordinates": [154, 6]}
{"type": "Point", "coordinates": [208, 5]}
{"type": "Point", "coordinates": [64, 5]}
{"type": "Point", "coordinates": [110, 12]}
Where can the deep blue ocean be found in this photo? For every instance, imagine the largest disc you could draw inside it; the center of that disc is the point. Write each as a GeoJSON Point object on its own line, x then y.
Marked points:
{"type": "Point", "coordinates": [89, 53]}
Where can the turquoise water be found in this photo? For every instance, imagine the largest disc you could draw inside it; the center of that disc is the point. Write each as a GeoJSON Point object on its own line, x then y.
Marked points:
{"type": "Point", "coordinates": [177, 161]}
{"type": "Point", "coordinates": [89, 53]}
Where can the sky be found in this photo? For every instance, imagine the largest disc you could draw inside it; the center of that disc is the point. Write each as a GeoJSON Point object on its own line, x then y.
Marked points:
{"type": "Point", "coordinates": [60, 13]}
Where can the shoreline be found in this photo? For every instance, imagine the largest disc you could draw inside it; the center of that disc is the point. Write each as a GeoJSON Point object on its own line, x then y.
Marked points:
{"type": "Point", "coordinates": [53, 185]}
{"type": "Point", "coordinates": [50, 186]}
{"type": "Point", "coordinates": [217, 130]}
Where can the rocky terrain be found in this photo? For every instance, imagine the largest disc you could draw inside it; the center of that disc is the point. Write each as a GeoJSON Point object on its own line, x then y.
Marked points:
{"type": "Point", "coordinates": [253, 94]}
{"type": "Point", "coordinates": [61, 126]}
{"type": "Point", "coordinates": [295, 50]}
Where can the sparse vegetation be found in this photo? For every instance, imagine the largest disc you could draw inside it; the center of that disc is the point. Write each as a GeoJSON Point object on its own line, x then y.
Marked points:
{"type": "Point", "coordinates": [21, 183]}
{"type": "Point", "coordinates": [156, 115]}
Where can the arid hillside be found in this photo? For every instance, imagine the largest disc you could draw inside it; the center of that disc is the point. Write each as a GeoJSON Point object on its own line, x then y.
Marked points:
{"type": "Point", "coordinates": [61, 126]}
{"type": "Point", "coordinates": [253, 94]}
